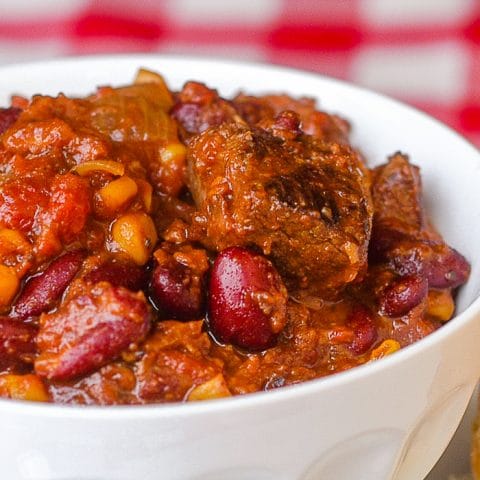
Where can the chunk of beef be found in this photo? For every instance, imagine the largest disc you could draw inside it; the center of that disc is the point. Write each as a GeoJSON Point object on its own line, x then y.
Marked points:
{"type": "Point", "coordinates": [303, 202]}
{"type": "Point", "coordinates": [402, 237]}
{"type": "Point", "coordinates": [397, 197]}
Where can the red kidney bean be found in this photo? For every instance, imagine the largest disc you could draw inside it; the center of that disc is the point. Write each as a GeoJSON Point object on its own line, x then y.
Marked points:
{"type": "Point", "coordinates": [42, 291]}
{"type": "Point", "coordinates": [449, 270]}
{"type": "Point", "coordinates": [177, 291]}
{"type": "Point", "coordinates": [198, 107]}
{"type": "Point", "coordinates": [402, 295]}
{"type": "Point", "coordinates": [187, 114]}
{"type": "Point", "coordinates": [8, 116]}
{"type": "Point", "coordinates": [442, 265]}
{"type": "Point", "coordinates": [247, 302]}
{"type": "Point", "coordinates": [119, 274]}
{"type": "Point", "coordinates": [364, 327]}
{"type": "Point", "coordinates": [90, 330]}
{"type": "Point", "coordinates": [17, 345]}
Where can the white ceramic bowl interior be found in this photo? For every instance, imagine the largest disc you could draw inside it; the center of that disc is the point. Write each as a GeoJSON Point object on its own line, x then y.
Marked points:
{"type": "Point", "coordinates": [387, 420]}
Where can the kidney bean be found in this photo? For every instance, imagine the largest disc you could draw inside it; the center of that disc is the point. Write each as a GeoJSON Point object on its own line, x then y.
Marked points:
{"type": "Point", "coordinates": [442, 265]}
{"type": "Point", "coordinates": [197, 108]}
{"type": "Point", "coordinates": [8, 116]}
{"type": "Point", "coordinates": [17, 345]}
{"type": "Point", "coordinates": [187, 114]}
{"type": "Point", "coordinates": [363, 324]}
{"type": "Point", "coordinates": [90, 330]}
{"type": "Point", "coordinates": [177, 291]}
{"type": "Point", "coordinates": [413, 326]}
{"type": "Point", "coordinates": [42, 291]}
{"type": "Point", "coordinates": [402, 295]}
{"type": "Point", "coordinates": [449, 270]}
{"type": "Point", "coordinates": [177, 283]}
{"type": "Point", "coordinates": [119, 274]}
{"type": "Point", "coordinates": [247, 302]}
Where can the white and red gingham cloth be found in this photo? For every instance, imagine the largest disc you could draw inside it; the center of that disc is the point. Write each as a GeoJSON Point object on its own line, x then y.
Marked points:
{"type": "Point", "coordinates": [424, 52]}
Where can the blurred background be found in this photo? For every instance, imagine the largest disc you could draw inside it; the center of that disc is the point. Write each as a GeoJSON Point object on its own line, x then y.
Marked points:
{"type": "Point", "coordinates": [424, 52]}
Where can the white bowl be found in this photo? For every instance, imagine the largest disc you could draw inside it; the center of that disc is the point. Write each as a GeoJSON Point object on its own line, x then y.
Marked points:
{"type": "Point", "coordinates": [387, 420]}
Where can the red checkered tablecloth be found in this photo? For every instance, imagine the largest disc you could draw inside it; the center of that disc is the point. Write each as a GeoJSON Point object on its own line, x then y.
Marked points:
{"type": "Point", "coordinates": [424, 52]}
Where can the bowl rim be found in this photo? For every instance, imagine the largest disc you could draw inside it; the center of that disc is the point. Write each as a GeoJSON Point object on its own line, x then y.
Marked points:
{"type": "Point", "coordinates": [256, 399]}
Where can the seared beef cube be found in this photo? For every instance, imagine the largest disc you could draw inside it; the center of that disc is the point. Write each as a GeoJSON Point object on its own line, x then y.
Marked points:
{"type": "Point", "coordinates": [402, 237]}
{"type": "Point", "coordinates": [397, 196]}
{"type": "Point", "coordinates": [303, 202]}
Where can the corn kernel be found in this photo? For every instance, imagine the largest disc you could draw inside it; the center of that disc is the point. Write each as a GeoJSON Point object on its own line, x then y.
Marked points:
{"type": "Point", "coordinates": [146, 193]}
{"type": "Point", "coordinates": [387, 347]}
{"type": "Point", "coordinates": [9, 285]}
{"type": "Point", "coordinates": [173, 153]}
{"type": "Point", "coordinates": [118, 193]}
{"type": "Point", "coordinates": [440, 305]}
{"type": "Point", "coordinates": [135, 235]}
{"type": "Point", "coordinates": [107, 166]}
{"type": "Point", "coordinates": [23, 387]}
{"type": "Point", "coordinates": [216, 387]}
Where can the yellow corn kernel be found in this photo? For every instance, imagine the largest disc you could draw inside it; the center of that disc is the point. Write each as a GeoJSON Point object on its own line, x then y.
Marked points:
{"type": "Point", "coordinates": [216, 387]}
{"type": "Point", "coordinates": [440, 305]}
{"type": "Point", "coordinates": [135, 235]}
{"type": "Point", "coordinates": [23, 387]}
{"type": "Point", "coordinates": [107, 166]}
{"type": "Point", "coordinates": [9, 285]}
{"type": "Point", "coordinates": [15, 250]}
{"type": "Point", "coordinates": [173, 153]}
{"type": "Point", "coordinates": [146, 193]}
{"type": "Point", "coordinates": [387, 347]}
{"type": "Point", "coordinates": [118, 193]}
